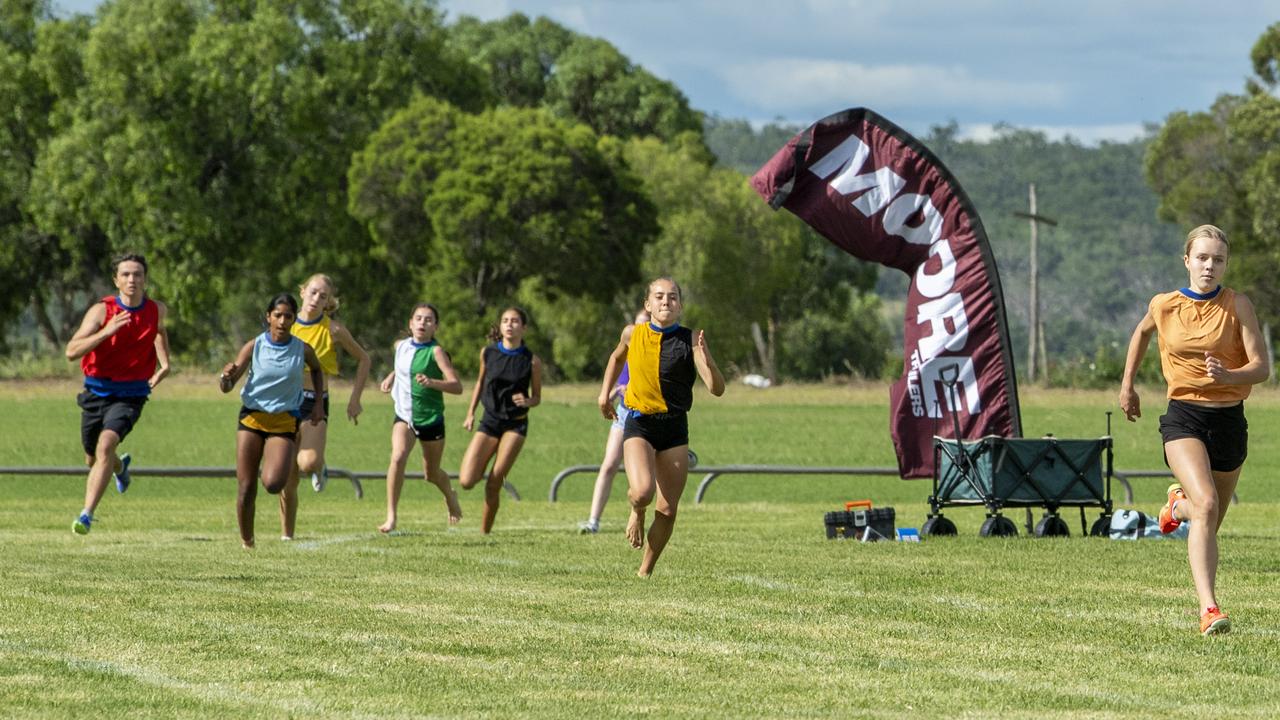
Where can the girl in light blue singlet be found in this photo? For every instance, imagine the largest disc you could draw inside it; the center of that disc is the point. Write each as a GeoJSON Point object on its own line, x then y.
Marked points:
{"type": "Point", "coordinates": [267, 434]}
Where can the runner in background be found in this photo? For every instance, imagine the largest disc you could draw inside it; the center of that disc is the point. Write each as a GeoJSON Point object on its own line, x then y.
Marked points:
{"type": "Point", "coordinates": [422, 373]}
{"type": "Point", "coordinates": [317, 327]}
{"type": "Point", "coordinates": [612, 448]}
{"type": "Point", "coordinates": [509, 385]}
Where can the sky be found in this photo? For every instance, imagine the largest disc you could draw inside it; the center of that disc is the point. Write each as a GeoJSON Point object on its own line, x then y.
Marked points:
{"type": "Point", "coordinates": [1097, 69]}
{"type": "Point", "coordinates": [1093, 69]}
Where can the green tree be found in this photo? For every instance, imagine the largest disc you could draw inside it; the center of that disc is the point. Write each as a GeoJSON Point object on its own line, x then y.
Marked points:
{"type": "Point", "coordinates": [217, 139]}
{"type": "Point", "coordinates": [40, 74]}
{"type": "Point", "coordinates": [519, 55]}
{"type": "Point", "coordinates": [510, 205]}
{"type": "Point", "coordinates": [579, 78]}
{"type": "Point", "coordinates": [1221, 166]}
{"type": "Point", "coordinates": [741, 264]}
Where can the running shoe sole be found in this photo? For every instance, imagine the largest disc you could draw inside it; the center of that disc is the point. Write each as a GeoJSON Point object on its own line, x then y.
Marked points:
{"type": "Point", "coordinates": [1167, 522]}
{"type": "Point", "coordinates": [1220, 626]}
{"type": "Point", "coordinates": [122, 477]}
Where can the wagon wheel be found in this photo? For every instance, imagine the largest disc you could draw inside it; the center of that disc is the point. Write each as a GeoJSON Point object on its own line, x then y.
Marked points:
{"type": "Point", "coordinates": [938, 526]}
{"type": "Point", "coordinates": [998, 526]}
{"type": "Point", "coordinates": [1101, 527]}
{"type": "Point", "coordinates": [1052, 526]}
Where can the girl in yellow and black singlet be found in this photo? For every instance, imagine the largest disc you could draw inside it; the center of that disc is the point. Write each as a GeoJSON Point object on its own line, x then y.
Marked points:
{"type": "Point", "coordinates": [663, 359]}
{"type": "Point", "coordinates": [324, 333]}
{"type": "Point", "coordinates": [1212, 353]}
{"type": "Point", "coordinates": [660, 392]}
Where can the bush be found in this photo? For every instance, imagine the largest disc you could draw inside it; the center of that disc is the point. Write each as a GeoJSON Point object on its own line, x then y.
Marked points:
{"type": "Point", "coordinates": [818, 345]}
{"type": "Point", "coordinates": [1104, 369]}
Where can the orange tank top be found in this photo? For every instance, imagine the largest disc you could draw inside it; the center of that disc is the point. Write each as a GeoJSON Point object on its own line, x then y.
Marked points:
{"type": "Point", "coordinates": [1188, 328]}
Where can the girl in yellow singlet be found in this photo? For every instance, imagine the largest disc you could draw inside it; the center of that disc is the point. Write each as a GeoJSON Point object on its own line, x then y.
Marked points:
{"type": "Point", "coordinates": [317, 327]}
{"type": "Point", "coordinates": [1212, 353]}
{"type": "Point", "coordinates": [663, 358]}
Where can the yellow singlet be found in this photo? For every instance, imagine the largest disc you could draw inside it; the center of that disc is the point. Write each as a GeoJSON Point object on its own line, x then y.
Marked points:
{"type": "Point", "coordinates": [316, 334]}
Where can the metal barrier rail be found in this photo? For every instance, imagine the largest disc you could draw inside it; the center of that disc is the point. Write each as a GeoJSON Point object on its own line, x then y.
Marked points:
{"type": "Point", "coordinates": [714, 472]}
{"type": "Point", "coordinates": [354, 476]}
{"type": "Point", "coordinates": [1123, 477]}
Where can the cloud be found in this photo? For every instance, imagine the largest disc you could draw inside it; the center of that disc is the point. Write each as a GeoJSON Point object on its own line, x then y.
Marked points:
{"type": "Point", "coordinates": [1084, 134]}
{"type": "Point", "coordinates": [829, 85]}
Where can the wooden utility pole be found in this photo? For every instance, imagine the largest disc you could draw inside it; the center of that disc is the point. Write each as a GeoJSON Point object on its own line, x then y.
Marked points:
{"type": "Point", "coordinates": [1035, 328]}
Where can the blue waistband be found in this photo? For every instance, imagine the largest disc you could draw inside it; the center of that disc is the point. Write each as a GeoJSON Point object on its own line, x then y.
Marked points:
{"type": "Point", "coordinates": [108, 388]}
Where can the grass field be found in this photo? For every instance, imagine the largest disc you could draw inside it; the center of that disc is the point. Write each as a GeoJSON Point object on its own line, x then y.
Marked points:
{"type": "Point", "coordinates": [752, 613]}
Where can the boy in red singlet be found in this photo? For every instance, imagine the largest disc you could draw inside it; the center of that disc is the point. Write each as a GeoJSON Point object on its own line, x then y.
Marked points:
{"type": "Point", "coordinates": [124, 352]}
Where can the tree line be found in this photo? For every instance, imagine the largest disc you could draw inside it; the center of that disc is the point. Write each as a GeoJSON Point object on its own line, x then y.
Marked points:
{"type": "Point", "coordinates": [242, 146]}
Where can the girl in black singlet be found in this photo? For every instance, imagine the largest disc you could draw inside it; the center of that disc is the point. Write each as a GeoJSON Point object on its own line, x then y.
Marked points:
{"type": "Point", "coordinates": [509, 383]}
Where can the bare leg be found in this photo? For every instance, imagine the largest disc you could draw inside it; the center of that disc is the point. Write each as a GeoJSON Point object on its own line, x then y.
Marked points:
{"type": "Point", "coordinates": [1226, 485]}
{"type": "Point", "coordinates": [289, 503]}
{"type": "Point", "coordinates": [104, 463]}
{"type": "Point", "coordinates": [1190, 464]}
{"type": "Point", "coordinates": [477, 457]}
{"type": "Point", "coordinates": [608, 468]}
{"type": "Point", "coordinates": [248, 456]}
{"type": "Point", "coordinates": [432, 451]}
{"type": "Point", "coordinates": [312, 440]}
{"type": "Point", "coordinates": [479, 452]}
{"type": "Point", "coordinates": [401, 441]}
{"type": "Point", "coordinates": [278, 463]}
{"type": "Point", "coordinates": [310, 459]}
{"type": "Point", "coordinates": [639, 458]}
{"type": "Point", "coordinates": [508, 450]}
{"type": "Point", "coordinates": [672, 473]}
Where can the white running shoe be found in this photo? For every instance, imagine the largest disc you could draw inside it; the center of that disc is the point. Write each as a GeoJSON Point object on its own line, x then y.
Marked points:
{"type": "Point", "coordinates": [320, 479]}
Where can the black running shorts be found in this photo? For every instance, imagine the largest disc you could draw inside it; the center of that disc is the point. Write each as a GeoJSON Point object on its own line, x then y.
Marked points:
{"type": "Point", "coordinates": [494, 427]}
{"type": "Point", "coordinates": [309, 402]}
{"type": "Point", "coordinates": [1224, 431]}
{"type": "Point", "coordinates": [425, 433]}
{"type": "Point", "coordinates": [663, 430]}
{"type": "Point", "coordinates": [97, 413]}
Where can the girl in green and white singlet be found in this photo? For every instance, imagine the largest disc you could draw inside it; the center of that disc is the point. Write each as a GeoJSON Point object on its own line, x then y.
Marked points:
{"type": "Point", "coordinates": [422, 373]}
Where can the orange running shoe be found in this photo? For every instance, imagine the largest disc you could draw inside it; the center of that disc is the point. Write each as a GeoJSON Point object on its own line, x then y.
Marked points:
{"type": "Point", "coordinates": [1214, 622]}
{"type": "Point", "coordinates": [1168, 523]}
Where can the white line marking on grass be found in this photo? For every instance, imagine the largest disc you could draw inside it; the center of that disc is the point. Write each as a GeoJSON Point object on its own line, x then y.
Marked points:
{"type": "Point", "coordinates": [336, 540]}
{"type": "Point", "coordinates": [766, 583]}
{"type": "Point", "coordinates": [207, 692]}
{"type": "Point", "coordinates": [962, 603]}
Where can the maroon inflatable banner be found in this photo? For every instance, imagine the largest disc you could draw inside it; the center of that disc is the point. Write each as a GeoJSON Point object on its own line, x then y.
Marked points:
{"type": "Point", "coordinates": [879, 194]}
